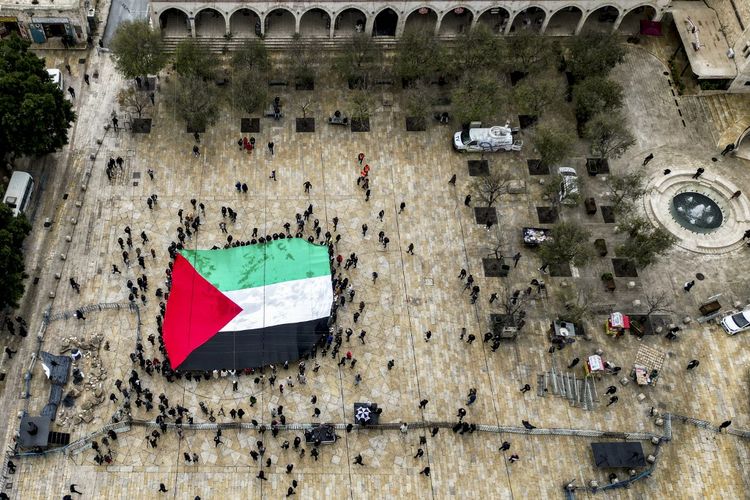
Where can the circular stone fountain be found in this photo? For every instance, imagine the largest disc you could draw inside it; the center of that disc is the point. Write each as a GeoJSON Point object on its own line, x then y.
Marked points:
{"type": "Point", "coordinates": [699, 212]}
{"type": "Point", "coordinates": [696, 212]}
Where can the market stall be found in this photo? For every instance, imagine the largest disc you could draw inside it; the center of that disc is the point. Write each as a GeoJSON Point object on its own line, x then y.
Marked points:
{"type": "Point", "coordinates": [617, 324]}
{"type": "Point", "coordinates": [647, 365]}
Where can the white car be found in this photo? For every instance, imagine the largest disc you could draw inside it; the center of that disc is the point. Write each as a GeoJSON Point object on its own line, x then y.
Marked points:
{"type": "Point", "coordinates": [486, 140]}
{"type": "Point", "coordinates": [56, 76]}
{"type": "Point", "coordinates": [736, 323]}
{"type": "Point", "coordinates": [568, 194]}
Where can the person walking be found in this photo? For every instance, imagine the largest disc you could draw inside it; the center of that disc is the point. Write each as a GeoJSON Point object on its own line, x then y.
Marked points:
{"type": "Point", "coordinates": [307, 186]}
{"type": "Point", "coordinates": [410, 250]}
{"type": "Point", "coordinates": [693, 364]}
{"type": "Point", "coordinates": [688, 285]}
{"type": "Point", "coordinates": [358, 460]}
{"type": "Point", "coordinates": [526, 388]}
{"type": "Point", "coordinates": [426, 471]}
{"type": "Point", "coordinates": [364, 230]}
{"type": "Point", "coordinates": [505, 446]}
{"type": "Point", "coordinates": [516, 258]}
{"type": "Point", "coordinates": [613, 400]}
{"type": "Point", "coordinates": [698, 172]}
{"type": "Point", "coordinates": [648, 158]}
{"type": "Point", "coordinates": [401, 207]}
{"type": "Point", "coordinates": [270, 147]}
{"type": "Point", "coordinates": [724, 425]}
{"type": "Point", "coordinates": [467, 200]}
{"type": "Point", "coordinates": [736, 195]}
{"type": "Point", "coordinates": [162, 488]}
{"type": "Point", "coordinates": [573, 363]}
{"type": "Point", "coordinates": [611, 390]}
{"type": "Point", "coordinates": [72, 92]}
{"type": "Point", "coordinates": [196, 151]}
{"type": "Point", "coordinates": [513, 458]}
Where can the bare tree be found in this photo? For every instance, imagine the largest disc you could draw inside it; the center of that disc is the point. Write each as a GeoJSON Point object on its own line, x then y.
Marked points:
{"type": "Point", "coordinates": [497, 244]}
{"type": "Point", "coordinates": [577, 305]}
{"type": "Point", "coordinates": [131, 98]}
{"type": "Point", "coordinates": [305, 104]}
{"type": "Point", "coordinates": [513, 303]}
{"type": "Point", "coordinates": [490, 187]}
{"type": "Point", "coordinates": [658, 301]}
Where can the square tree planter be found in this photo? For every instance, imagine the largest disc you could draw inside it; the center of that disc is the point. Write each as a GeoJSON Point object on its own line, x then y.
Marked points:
{"type": "Point", "coordinates": [485, 215]}
{"type": "Point", "coordinates": [305, 124]}
{"type": "Point", "coordinates": [546, 215]}
{"type": "Point", "coordinates": [360, 125]}
{"type": "Point", "coordinates": [608, 214]}
{"type": "Point", "coordinates": [250, 125]}
{"type": "Point", "coordinates": [536, 167]}
{"type": "Point", "coordinates": [526, 121]}
{"type": "Point", "coordinates": [192, 130]}
{"type": "Point", "coordinates": [561, 270]}
{"type": "Point", "coordinates": [141, 126]}
{"type": "Point", "coordinates": [416, 124]}
{"type": "Point", "coordinates": [595, 166]}
{"type": "Point", "coordinates": [624, 268]}
{"type": "Point", "coordinates": [304, 84]}
{"type": "Point", "coordinates": [495, 268]}
{"type": "Point", "coordinates": [479, 168]}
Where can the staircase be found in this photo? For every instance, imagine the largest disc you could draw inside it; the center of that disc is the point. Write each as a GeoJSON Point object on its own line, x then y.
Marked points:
{"type": "Point", "coordinates": [720, 111]}
{"type": "Point", "coordinates": [221, 44]}
{"type": "Point", "coordinates": [580, 393]}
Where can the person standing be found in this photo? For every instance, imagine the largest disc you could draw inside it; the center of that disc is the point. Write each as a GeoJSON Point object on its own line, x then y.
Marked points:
{"type": "Point", "coordinates": [452, 180]}
{"type": "Point", "coordinates": [688, 285]}
{"type": "Point", "coordinates": [693, 364]}
{"type": "Point", "coordinates": [516, 258]}
{"type": "Point", "coordinates": [698, 172]}
{"type": "Point", "coordinates": [648, 159]}
{"type": "Point", "coordinates": [270, 147]}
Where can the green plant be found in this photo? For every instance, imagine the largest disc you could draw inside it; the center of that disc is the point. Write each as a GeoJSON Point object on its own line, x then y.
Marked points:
{"type": "Point", "coordinates": [607, 277]}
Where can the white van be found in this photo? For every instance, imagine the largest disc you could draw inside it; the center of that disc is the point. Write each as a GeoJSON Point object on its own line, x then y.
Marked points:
{"type": "Point", "coordinates": [18, 195]}
{"type": "Point", "coordinates": [56, 76]}
{"type": "Point", "coordinates": [478, 140]}
{"type": "Point", "coordinates": [568, 186]}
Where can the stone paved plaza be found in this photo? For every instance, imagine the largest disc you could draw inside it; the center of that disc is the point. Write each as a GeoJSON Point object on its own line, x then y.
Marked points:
{"type": "Point", "coordinates": [413, 294]}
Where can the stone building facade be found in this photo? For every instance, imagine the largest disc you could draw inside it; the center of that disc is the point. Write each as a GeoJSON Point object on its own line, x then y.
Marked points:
{"type": "Point", "coordinates": [40, 21]}
{"type": "Point", "coordinates": [339, 19]}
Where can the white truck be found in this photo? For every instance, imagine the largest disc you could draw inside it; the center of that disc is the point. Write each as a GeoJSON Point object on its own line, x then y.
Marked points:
{"type": "Point", "coordinates": [492, 139]}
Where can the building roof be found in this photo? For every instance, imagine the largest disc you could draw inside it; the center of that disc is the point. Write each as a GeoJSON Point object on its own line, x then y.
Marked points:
{"type": "Point", "coordinates": [705, 44]}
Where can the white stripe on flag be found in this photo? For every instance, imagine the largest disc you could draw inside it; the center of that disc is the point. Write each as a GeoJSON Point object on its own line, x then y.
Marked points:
{"type": "Point", "coordinates": [285, 303]}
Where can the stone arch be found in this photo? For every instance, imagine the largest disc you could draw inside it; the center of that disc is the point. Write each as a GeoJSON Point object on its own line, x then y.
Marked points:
{"type": "Point", "coordinates": [280, 22]}
{"type": "Point", "coordinates": [630, 19]}
{"type": "Point", "coordinates": [495, 18]}
{"type": "Point", "coordinates": [385, 22]}
{"type": "Point", "coordinates": [564, 21]}
{"type": "Point", "coordinates": [349, 20]}
{"type": "Point", "coordinates": [531, 19]}
{"type": "Point", "coordinates": [244, 22]}
{"type": "Point", "coordinates": [422, 18]}
{"type": "Point", "coordinates": [601, 19]}
{"type": "Point", "coordinates": [456, 21]}
{"type": "Point", "coordinates": [210, 23]}
{"type": "Point", "coordinates": [174, 21]}
{"type": "Point", "coordinates": [315, 22]}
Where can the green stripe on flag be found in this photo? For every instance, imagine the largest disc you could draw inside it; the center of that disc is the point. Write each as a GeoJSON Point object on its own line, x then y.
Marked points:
{"type": "Point", "coordinates": [258, 265]}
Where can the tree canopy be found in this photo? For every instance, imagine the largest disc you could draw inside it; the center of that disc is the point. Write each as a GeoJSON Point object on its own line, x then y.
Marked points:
{"type": "Point", "coordinates": [195, 101]}
{"type": "Point", "coordinates": [594, 54]}
{"type": "Point", "coordinates": [137, 49]}
{"type": "Point", "coordinates": [13, 230]}
{"type": "Point", "coordinates": [417, 56]}
{"type": "Point", "coordinates": [645, 242]}
{"type": "Point", "coordinates": [192, 58]}
{"type": "Point", "coordinates": [358, 59]}
{"type": "Point", "coordinates": [554, 142]}
{"type": "Point", "coordinates": [479, 97]}
{"type": "Point", "coordinates": [609, 135]}
{"type": "Point", "coordinates": [569, 242]}
{"type": "Point", "coordinates": [596, 95]}
{"type": "Point", "coordinates": [34, 114]}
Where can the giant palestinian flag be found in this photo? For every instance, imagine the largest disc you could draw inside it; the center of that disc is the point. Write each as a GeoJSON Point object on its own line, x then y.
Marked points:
{"type": "Point", "coordinates": [247, 306]}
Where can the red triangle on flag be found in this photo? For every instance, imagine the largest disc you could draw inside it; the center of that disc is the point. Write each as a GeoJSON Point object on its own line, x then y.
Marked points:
{"type": "Point", "coordinates": [196, 311]}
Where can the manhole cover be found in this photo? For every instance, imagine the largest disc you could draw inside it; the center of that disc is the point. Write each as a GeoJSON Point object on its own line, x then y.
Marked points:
{"type": "Point", "coordinates": [700, 277]}
{"type": "Point", "coordinates": [135, 183]}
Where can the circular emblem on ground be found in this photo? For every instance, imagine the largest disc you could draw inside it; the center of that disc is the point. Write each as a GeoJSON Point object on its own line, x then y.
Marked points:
{"type": "Point", "coordinates": [703, 214]}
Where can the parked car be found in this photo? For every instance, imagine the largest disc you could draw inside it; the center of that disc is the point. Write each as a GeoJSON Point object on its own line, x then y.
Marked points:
{"type": "Point", "coordinates": [478, 140]}
{"type": "Point", "coordinates": [568, 194]}
{"type": "Point", "coordinates": [736, 323]}
{"type": "Point", "coordinates": [56, 76]}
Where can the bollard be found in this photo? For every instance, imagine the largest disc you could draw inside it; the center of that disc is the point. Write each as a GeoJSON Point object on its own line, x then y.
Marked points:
{"type": "Point", "coordinates": [687, 319]}
{"type": "Point", "coordinates": [78, 204]}
{"type": "Point", "coordinates": [57, 276]}
{"type": "Point", "coordinates": [63, 256]}
{"type": "Point", "coordinates": [73, 221]}
{"type": "Point", "coordinates": [68, 238]}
